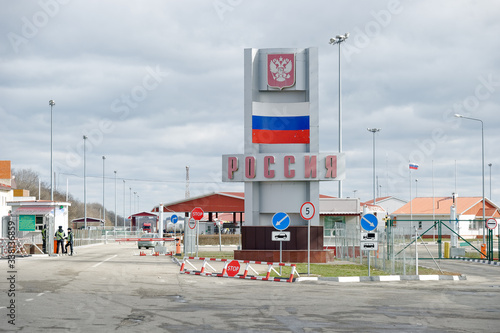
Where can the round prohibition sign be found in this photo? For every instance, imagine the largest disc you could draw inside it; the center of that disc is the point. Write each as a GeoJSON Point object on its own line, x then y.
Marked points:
{"type": "Point", "coordinates": [307, 210]}
{"type": "Point", "coordinates": [192, 223]}
{"type": "Point", "coordinates": [491, 224]}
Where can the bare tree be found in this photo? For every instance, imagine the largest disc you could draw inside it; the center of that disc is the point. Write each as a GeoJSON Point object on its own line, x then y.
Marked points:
{"type": "Point", "coordinates": [27, 179]}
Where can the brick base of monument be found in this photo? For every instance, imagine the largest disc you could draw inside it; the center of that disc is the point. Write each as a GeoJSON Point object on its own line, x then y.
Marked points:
{"type": "Point", "coordinates": [293, 256]}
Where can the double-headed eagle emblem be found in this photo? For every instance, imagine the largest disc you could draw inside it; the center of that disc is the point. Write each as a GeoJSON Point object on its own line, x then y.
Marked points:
{"type": "Point", "coordinates": [281, 70]}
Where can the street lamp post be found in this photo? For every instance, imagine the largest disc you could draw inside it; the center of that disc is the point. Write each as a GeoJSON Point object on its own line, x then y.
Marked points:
{"type": "Point", "coordinates": [51, 103]}
{"type": "Point", "coordinates": [489, 164]}
{"type": "Point", "coordinates": [416, 188]}
{"type": "Point", "coordinates": [124, 211]}
{"type": "Point", "coordinates": [116, 213]}
{"type": "Point", "coordinates": [84, 183]}
{"type": "Point", "coordinates": [339, 39]}
{"type": "Point", "coordinates": [130, 188]}
{"type": "Point", "coordinates": [103, 209]}
{"type": "Point", "coordinates": [374, 130]}
{"type": "Point", "coordinates": [482, 168]}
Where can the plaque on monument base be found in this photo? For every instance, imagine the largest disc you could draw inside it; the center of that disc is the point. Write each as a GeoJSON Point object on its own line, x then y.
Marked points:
{"type": "Point", "coordinates": [257, 244]}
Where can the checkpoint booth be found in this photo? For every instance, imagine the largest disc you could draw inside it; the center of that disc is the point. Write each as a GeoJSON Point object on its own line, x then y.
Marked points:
{"type": "Point", "coordinates": [29, 217]}
{"type": "Point", "coordinates": [144, 221]}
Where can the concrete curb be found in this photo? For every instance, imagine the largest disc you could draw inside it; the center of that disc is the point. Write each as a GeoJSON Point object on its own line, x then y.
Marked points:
{"type": "Point", "coordinates": [481, 261]}
{"type": "Point", "coordinates": [385, 278]}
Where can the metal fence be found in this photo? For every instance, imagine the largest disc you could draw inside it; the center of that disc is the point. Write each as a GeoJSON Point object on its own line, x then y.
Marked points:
{"type": "Point", "coordinates": [82, 237]}
{"type": "Point", "coordinates": [397, 251]}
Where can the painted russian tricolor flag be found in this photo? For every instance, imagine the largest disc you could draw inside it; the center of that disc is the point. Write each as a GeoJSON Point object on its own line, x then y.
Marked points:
{"type": "Point", "coordinates": [413, 166]}
{"type": "Point", "coordinates": [280, 123]}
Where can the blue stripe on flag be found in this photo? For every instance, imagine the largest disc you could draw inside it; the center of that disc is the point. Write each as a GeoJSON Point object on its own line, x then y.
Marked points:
{"type": "Point", "coordinates": [280, 123]}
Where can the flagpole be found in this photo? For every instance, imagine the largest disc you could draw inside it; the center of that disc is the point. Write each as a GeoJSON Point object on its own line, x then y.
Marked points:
{"type": "Point", "coordinates": [411, 210]}
{"type": "Point", "coordinates": [433, 205]}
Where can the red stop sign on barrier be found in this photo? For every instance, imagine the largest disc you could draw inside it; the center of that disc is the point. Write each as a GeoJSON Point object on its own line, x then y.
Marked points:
{"type": "Point", "coordinates": [233, 268]}
{"type": "Point", "coordinates": [197, 213]}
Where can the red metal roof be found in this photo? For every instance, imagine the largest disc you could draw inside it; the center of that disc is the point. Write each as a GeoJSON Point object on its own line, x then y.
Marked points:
{"type": "Point", "coordinates": [89, 219]}
{"type": "Point", "coordinates": [231, 202]}
{"type": "Point", "coordinates": [214, 202]}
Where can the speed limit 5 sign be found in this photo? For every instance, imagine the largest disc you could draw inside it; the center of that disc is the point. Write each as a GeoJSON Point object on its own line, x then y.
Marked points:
{"type": "Point", "coordinates": [307, 210]}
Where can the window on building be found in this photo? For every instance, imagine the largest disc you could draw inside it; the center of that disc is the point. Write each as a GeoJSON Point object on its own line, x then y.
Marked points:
{"type": "Point", "coordinates": [472, 225]}
{"type": "Point", "coordinates": [39, 222]}
{"type": "Point", "coordinates": [332, 223]}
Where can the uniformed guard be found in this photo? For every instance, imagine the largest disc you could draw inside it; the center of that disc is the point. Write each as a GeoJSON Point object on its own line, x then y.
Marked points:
{"type": "Point", "coordinates": [44, 238]}
{"type": "Point", "coordinates": [60, 239]}
{"type": "Point", "coordinates": [69, 241]}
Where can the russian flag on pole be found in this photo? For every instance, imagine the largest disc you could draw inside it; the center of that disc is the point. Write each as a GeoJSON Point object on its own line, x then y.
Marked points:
{"type": "Point", "coordinates": [413, 166]}
{"type": "Point", "coordinates": [280, 123]}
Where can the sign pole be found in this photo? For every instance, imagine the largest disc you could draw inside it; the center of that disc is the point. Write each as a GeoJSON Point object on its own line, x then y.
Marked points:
{"type": "Point", "coordinates": [308, 247]}
{"type": "Point", "coordinates": [197, 237]}
{"type": "Point", "coordinates": [369, 274]}
{"type": "Point", "coordinates": [281, 251]}
{"type": "Point", "coordinates": [416, 251]}
{"type": "Point", "coordinates": [307, 211]}
{"type": "Point", "coordinates": [220, 237]}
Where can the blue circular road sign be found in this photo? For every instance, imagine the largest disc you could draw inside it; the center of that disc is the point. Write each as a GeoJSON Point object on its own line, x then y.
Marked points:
{"type": "Point", "coordinates": [369, 222]}
{"type": "Point", "coordinates": [281, 221]}
{"type": "Point", "coordinates": [174, 219]}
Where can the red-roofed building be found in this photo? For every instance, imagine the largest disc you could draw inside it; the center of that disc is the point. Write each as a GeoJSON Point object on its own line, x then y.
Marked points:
{"type": "Point", "coordinates": [389, 204]}
{"type": "Point", "coordinates": [469, 211]}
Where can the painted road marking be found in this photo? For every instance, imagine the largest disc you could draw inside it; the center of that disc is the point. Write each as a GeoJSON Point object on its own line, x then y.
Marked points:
{"type": "Point", "coordinates": [105, 260]}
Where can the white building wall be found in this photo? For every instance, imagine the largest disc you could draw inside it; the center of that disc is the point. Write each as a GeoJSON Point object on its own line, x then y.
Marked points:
{"type": "Point", "coordinates": [5, 196]}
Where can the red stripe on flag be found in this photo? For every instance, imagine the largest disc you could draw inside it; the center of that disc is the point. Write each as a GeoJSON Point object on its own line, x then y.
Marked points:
{"type": "Point", "coordinates": [280, 137]}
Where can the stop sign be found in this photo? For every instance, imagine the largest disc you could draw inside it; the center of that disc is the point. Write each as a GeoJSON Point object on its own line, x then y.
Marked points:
{"type": "Point", "coordinates": [233, 268]}
{"type": "Point", "coordinates": [197, 213]}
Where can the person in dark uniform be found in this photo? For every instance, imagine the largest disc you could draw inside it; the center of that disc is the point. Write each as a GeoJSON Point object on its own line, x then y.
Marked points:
{"type": "Point", "coordinates": [60, 239]}
{"type": "Point", "coordinates": [44, 238]}
{"type": "Point", "coordinates": [69, 241]}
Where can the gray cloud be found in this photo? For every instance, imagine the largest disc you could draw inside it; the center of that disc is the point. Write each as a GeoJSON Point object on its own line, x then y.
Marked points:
{"type": "Point", "coordinates": [159, 85]}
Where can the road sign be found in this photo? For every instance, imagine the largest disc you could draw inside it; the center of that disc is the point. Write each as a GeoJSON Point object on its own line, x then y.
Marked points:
{"type": "Point", "coordinates": [307, 210]}
{"type": "Point", "coordinates": [192, 223]}
{"type": "Point", "coordinates": [369, 236]}
{"type": "Point", "coordinates": [281, 221]}
{"type": "Point", "coordinates": [280, 236]}
{"type": "Point", "coordinates": [174, 219]}
{"type": "Point", "coordinates": [197, 213]}
{"type": "Point", "coordinates": [233, 268]}
{"type": "Point", "coordinates": [491, 224]}
{"type": "Point", "coordinates": [369, 246]}
{"type": "Point", "coordinates": [369, 222]}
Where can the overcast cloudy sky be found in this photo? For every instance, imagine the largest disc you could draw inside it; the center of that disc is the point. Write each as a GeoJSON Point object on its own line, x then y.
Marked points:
{"type": "Point", "coordinates": [158, 86]}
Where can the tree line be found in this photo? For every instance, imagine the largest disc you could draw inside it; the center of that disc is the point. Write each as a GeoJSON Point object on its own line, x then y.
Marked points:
{"type": "Point", "coordinates": [27, 179]}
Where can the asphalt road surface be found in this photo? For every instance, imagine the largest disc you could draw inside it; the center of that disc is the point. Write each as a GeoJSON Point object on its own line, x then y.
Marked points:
{"type": "Point", "coordinates": [106, 288]}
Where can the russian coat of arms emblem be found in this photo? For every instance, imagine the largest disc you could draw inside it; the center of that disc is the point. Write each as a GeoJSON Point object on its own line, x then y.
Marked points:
{"type": "Point", "coordinates": [281, 70]}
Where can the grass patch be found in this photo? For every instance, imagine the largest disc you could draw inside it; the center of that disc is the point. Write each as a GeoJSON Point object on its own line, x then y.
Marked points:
{"type": "Point", "coordinates": [331, 270]}
{"type": "Point", "coordinates": [323, 270]}
{"type": "Point", "coordinates": [225, 239]}
{"type": "Point", "coordinates": [216, 254]}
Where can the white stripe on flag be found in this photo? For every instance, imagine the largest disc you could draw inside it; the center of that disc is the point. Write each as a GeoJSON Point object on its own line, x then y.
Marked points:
{"type": "Point", "coordinates": [280, 109]}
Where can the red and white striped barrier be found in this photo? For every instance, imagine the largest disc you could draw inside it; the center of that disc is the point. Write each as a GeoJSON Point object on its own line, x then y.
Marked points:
{"type": "Point", "coordinates": [232, 268]}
